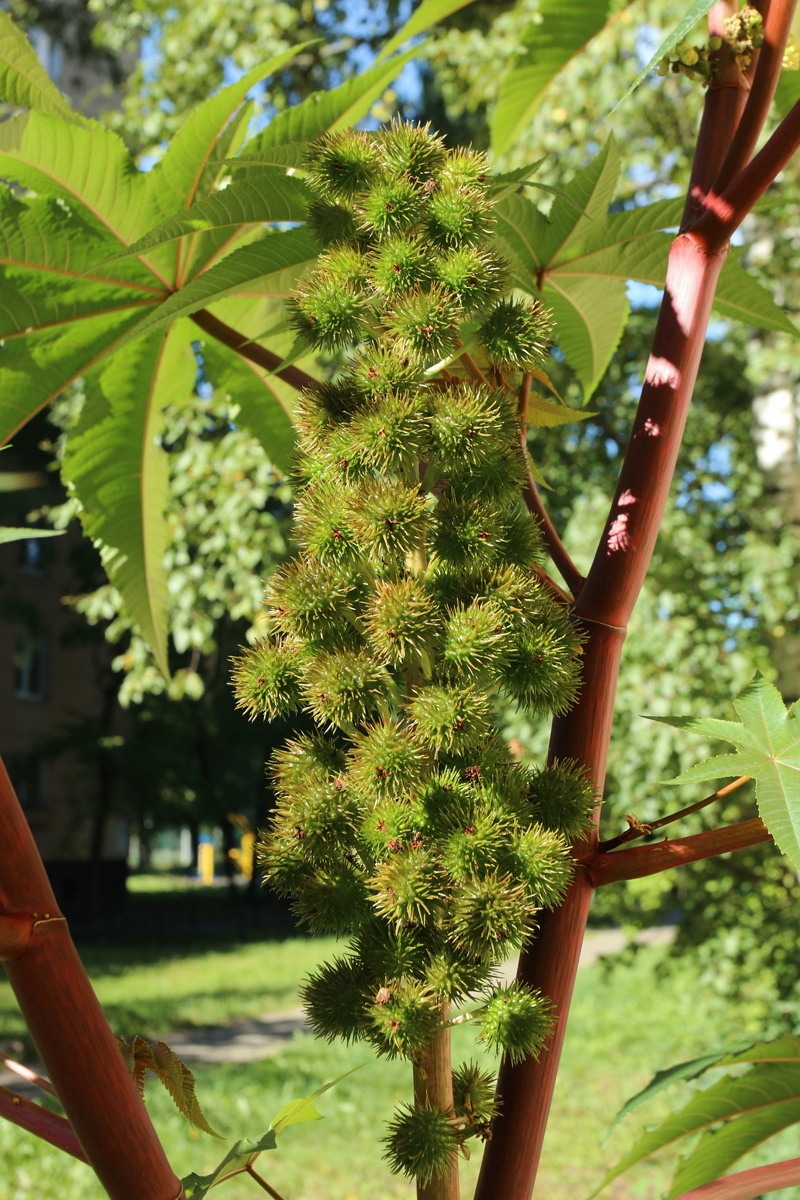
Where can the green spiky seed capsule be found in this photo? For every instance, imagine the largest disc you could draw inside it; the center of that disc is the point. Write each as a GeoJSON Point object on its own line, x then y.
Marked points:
{"type": "Point", "coordinates": [402, 822]}
{"type": "Point", "coordinates": [421, 1143]}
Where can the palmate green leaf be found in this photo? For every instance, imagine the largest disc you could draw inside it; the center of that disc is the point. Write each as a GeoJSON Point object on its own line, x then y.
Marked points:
{"type": "Point", "coordinates": [24, 81]}
{"type": "Point", "coordinates": [335, 109]}
{"type": "Point", "coordinates": [742, 298]}
{"type": "Point", "coordinates": [272, 266]}
{"type": "Point", "coordinates": [184, 169]}
{"type": "Point", "coordinates": [681, 1072]}
{"type": "Point", "coordinates": [239, 1157]}
{"type": "Point", "coordinates": [768, 749]}
{"type": "Point", "coordinates": [87, 167]}
{"type": "Point", "coordinates": [681, 31]}
{"type": "Point", "coordinates": [757, 1104]}
{"type": "Point", "coordinates": [290, 156]}
{"type": "Point", "coordinates": [263, 407]}
{"type": "Point", "coordinates": [579, 259]}
{"type": "Point", "coordinates": [718, 1150]}
{"type": "Point", "coordinates": [245, 1152]}
{"type": "Point", "coordinates": [119, 472]}
{"type": "Point", "coordinates": [276, 197]}
{"type": "Point", "coordinates": [429, 12]}
{"type": "Point", "coordinates": [43, 235]}
{"type": "Point", "coordinates": [562, 30]}
{"type": "Point", "coordinates": [36, 368]}
{"type": "Point", "coordinates": [590, 321]}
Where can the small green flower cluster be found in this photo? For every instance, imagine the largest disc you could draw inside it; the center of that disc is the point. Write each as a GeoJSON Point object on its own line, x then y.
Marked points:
{"type": "Point", "coordinates": [404, 823]}
{"type": "Point", "coordinates": [744, 33]}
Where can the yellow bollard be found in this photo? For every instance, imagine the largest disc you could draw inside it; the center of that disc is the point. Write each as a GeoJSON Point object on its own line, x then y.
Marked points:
{"type": "Point", "coordinates": [205, 859]}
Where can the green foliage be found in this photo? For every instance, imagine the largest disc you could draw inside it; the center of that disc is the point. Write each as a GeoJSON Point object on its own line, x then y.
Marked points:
{"type": "Point", "coordinates": [409, 826]}
{"type": "Point", "coordinates": [725, 1119]}
{"type": "Point", "coordinates": [768, 750]}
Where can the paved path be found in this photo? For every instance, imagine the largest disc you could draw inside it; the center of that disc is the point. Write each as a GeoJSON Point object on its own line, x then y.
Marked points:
{"type": "Point", "coordinates": [260, 1037]}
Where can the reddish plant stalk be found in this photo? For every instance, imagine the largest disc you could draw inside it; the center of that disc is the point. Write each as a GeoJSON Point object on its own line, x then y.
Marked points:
{"type": "Point", "coordinates": [40, 1121]}
{"type": "Point", "coordinates": [745, 1184]}
{"type": "Point", "coordinates": [728, 93]}
{"type": "Point", "coordinates": [637, 861]}
{"type": "Point", "coordinates": [777, 27]}
{"type": "Point", "coordinates": [248, 349]}
{"type": "Point", "coordinates": [69, 1029]}
{"type": "Point", "coordinates": [604, 606]}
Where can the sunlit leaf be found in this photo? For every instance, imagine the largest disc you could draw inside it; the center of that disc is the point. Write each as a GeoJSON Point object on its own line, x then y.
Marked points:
{"type": "Point", "coordinates": [429, 12]}
{"type": "Point", "coordinates": [335, 109]}
{"type": "Point", "coordinates": [24, 81]}
{"type": "Point", "coordinates": [119, 471]}
{"type": "Point", "coordinates": [768, 749]}
{"type": "Point", "coordinates": [561, 29]}
{"type": "Point", "coordinates": [276, 197]}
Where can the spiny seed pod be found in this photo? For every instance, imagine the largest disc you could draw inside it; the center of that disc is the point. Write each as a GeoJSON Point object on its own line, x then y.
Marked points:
{"type": "Point", "coordinates": [563, 799]}
{"type": "Point", "coordinates": [266, 681]}
{"type": "Point", "coordinates": [408, 828]}
{"type": "Point", "coordinates": [333, 995]}
{"type": "Point", "coordinates": [518, 1021]}
{"type": "Point", "coordinates": [421, 1143]}
{"type": "Point", "coordinates": [474, 1093]}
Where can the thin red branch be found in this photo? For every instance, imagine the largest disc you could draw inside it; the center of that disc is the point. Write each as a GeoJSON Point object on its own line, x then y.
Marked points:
{"type": "Point", "coordinates": [637, 861]}
{"type": "Point", "coordinates": [555, 547]}
{"type": "Point", "coordinates": [252, 350]}
{"type": "Point", "coordinates": [777, 27]}
{"type": "Point", "coordinates": [261, 1181]}
{"type": "Point", "coordinates": [40, 1121]}
{"type": "Point", "coordinates": [473, 370]}
{"type": "Point", "coordinates": [745, 1184]}
{"type": "Point", "coordinates": [644, 829]}
{"type": "Point", "coordinates": [28, 1075]}
{"type": "Point", "coordinates": [68, 1027]}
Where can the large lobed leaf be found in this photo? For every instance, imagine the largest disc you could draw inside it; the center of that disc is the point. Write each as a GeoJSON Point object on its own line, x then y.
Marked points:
{"type": "Point", "coordinates": [562, 28]}
{"type": "Point", "coordinates": [580, 257]}
{"type": "Point", "coordinates": [726, 1120]}
{"type": "Point", "coordinates": [767, 741]}
{"type": "Point", "coordinates": [118, 469]}
{"type": "Point", "coordinates": [24, 81]}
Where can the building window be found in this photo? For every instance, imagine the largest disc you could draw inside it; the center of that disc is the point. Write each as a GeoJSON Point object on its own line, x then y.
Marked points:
{"type": "Point", "coordinates": [30, 665]}
{"type": "Point", "coordinates": [50, 52]}
{"type": "Point", "coordinates": [28, 774]}
{"type": "Point", "coordinates": [31, 556]}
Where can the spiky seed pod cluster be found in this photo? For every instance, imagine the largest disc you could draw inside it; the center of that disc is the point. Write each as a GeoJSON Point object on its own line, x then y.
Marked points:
{"type": "Point", "coordinates": [404, 822]}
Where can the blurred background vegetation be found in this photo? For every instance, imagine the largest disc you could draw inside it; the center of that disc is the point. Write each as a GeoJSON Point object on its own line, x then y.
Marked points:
{"type": "Point", "coordinates": [720, 603]}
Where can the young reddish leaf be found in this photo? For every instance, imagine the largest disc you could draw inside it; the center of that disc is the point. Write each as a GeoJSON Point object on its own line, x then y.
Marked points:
{"type": "Point", "coordinates": [142, 1056]}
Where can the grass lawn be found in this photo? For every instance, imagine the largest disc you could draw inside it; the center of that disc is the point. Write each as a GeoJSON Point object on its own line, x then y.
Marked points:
{"type": "Point", "coordinates": [625, 1024]}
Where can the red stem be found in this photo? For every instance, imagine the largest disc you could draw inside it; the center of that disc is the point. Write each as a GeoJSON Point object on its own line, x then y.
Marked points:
{"type": "Point", "coordinates": [252, 350]}
{"type": "Point", "coordinates": [724, 214]}
{"type": "Point", "coordinates": [40, 1121]}
{"type": "Point", "coordinates": [555, 547]}
{"type": "Point", "coordinates": [69, 1029]}
{"type": "Point", "coordinates": [777, 27]}
{"type": "Point", "coordinates": [603, 607]}
{"type": "Point", "coordinates": [725, 102]}
{"type": "Point", "coordinates": [637, 861]}
{"type": "Point", "coordinates": [745, 1184]}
